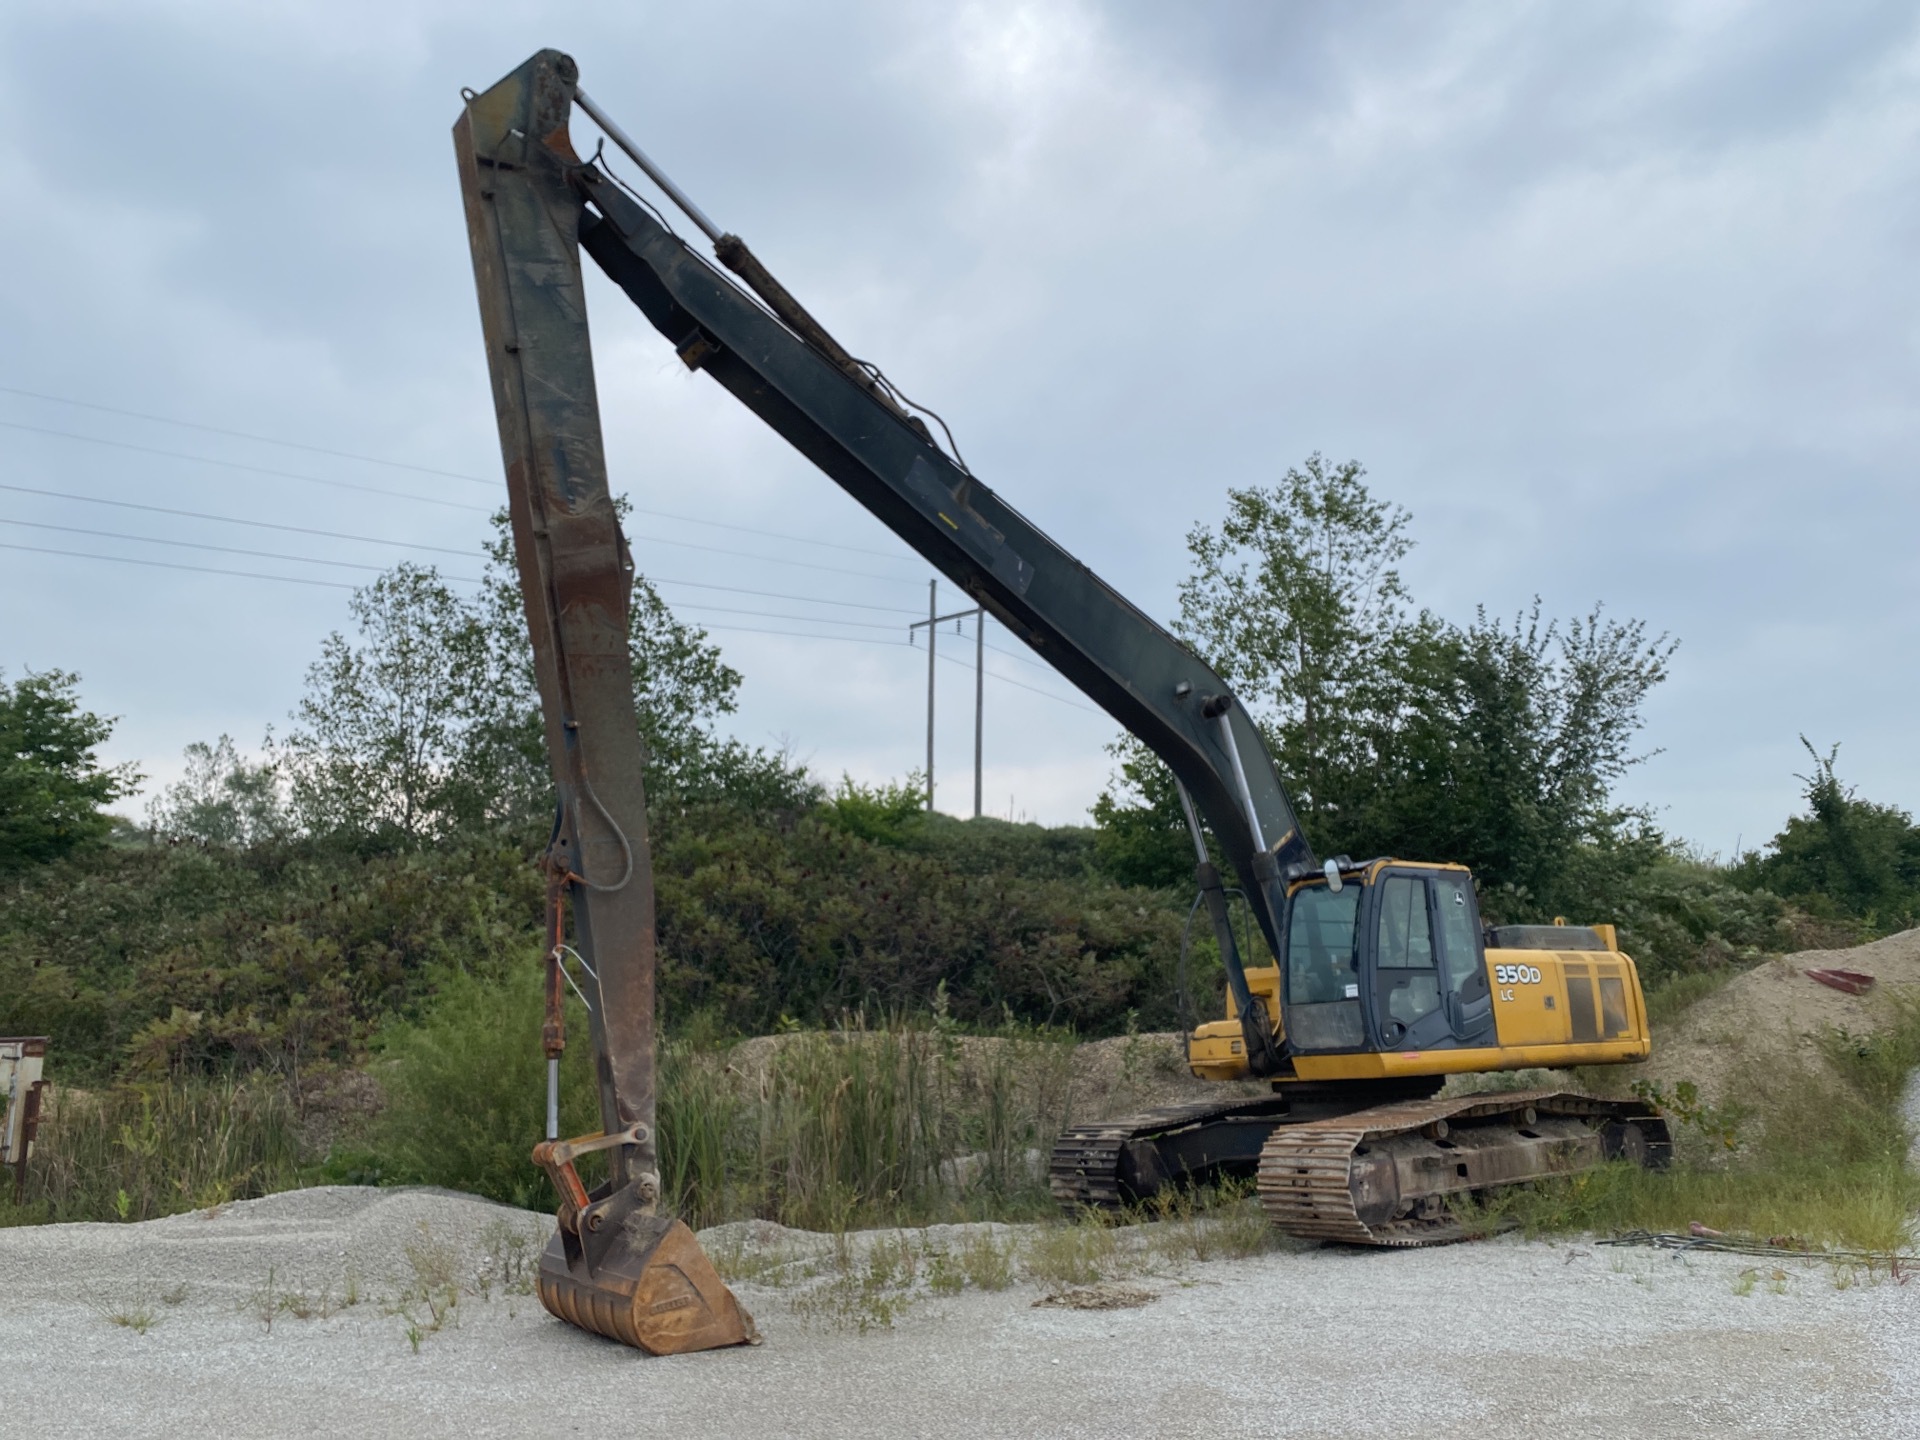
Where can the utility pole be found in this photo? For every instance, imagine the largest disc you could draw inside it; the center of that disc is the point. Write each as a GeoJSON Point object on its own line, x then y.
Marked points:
{"type": "Point", "coordinates": [979, 696]}
{"type": "Point", "coordinates": [933, 621]}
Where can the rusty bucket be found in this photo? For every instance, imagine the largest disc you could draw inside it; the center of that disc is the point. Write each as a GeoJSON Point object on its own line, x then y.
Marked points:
{"type": "Point", "coordinates": [617, 1269]}
{"type": "Point", "coordinates": [654, 1289]}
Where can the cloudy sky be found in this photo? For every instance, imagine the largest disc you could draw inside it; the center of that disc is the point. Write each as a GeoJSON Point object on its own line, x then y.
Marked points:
{"type": "Point", "coordinates": [1616, 300]}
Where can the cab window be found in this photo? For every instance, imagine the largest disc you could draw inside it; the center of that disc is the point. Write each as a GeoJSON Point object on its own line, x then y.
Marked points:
{"type": "Point", "coordinates": [1320, 945]}
{"type": "Point", "coordinates": [1406, 939]}
{"type": "Point", "coordinates": [1323, 971]}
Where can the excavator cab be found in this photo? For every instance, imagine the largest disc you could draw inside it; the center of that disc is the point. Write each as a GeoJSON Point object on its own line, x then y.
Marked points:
{"type": "Point", "coordinates": [1392, 963]}
{"type": "Point", "coordinates": [1388, 972]}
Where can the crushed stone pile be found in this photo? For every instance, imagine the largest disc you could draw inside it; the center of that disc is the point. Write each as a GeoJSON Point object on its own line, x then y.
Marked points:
{"type": "Point", "coordinates": [1775, 1010]}
{"type": "Point", "coordinates": [316, 1246]}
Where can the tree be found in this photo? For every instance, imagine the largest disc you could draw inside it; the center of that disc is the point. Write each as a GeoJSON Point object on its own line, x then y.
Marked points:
{"type": "Point", "coordinates": [1296, 600]}
{"type": "Point", "coordinates": [1509, 744]}
{"type": "Point", "coordinates": [429, 721]}
{"type": "Point", "coordinates": [380, 731]}
{"type": "Point", "coordinates": [53, 788]}
{"type": "Point", "coordinates": [223, 799]}
{"type": "Point", "coordinates": [1398, 733]}
{"type": "Point", "coordinates": [1845, 858]}
{"type": "Point", "coordinates": [1140, 834]}
{"type": "Point", "coordinates": [680, 685]}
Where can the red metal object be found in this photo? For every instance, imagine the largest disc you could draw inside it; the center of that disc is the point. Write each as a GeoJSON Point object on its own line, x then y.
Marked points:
{"type": "Point", "coordinates": [1851, 981]}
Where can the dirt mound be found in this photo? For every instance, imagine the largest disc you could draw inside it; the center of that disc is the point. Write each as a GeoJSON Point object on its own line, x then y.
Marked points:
{"type": "Point", "coordinates": [1775, 1010]}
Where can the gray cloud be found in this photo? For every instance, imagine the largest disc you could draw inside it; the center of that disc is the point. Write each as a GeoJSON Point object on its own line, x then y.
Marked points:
{"type": "Point", "coordinates": [1617, 300]}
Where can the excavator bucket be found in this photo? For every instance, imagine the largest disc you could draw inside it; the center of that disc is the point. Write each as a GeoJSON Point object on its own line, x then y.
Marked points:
{"type": "Point", "coordinates": [655, 1289]}
{"type": "Point", "coordinates": [616, 1268]}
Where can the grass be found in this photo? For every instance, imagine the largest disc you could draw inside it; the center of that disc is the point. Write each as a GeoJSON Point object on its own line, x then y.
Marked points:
{"type": "Point", "coordinates": [137, 1311]}
{"type": "Point", "coordinates": [1680, 991]}
{"type": "Point", "coordinates": [135, 1318]}
{"type": "Point", "coordinates": [1081, 1252]}
{"type": "Point", "coordinates": [1818, 1154]}
{"type": "Point", "coordinates": [863, 1126]}
{"type": "Point", "coordinates": [908, 1123]}
{"type": "Point", "coordinates": [431, 1298]}
{"type": "Point", "coordinates": [139, 1152]}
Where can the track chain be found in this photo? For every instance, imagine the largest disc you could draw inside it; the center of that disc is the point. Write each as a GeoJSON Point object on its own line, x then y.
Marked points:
{"type": "Point", "coordinates": [1085, 1169]}
{"type": "Point", "coordinates": [1305, 1176]}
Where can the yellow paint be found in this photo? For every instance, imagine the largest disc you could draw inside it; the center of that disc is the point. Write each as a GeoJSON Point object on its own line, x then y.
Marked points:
{"type": "Point", "coordinates": [1215, 1051]}
{"type": "Point", "coordinates": [1555, 1009]}
{"type": "Point", "coordinates": [1459, 1062]}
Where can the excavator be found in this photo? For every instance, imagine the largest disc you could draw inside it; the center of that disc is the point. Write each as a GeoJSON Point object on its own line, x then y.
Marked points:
{"type": "Point", "coordinates": [1381, 979]}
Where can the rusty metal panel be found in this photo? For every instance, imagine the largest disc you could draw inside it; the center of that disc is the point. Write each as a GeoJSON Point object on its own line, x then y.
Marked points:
{"type": "Point", "coordinates": [21, 1059]}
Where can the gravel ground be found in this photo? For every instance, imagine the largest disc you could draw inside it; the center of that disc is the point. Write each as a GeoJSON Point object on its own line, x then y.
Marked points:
{"type": "Point", "coordinates": [1505, 1338]}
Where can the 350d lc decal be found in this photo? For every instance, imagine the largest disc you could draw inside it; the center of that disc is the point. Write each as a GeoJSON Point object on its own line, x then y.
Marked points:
{"type": "Point", "coordinates": [1516, 975]}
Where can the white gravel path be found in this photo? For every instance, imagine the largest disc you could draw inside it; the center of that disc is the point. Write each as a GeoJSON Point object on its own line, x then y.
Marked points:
{"type": "Point", "coordinates": [1506, 1338]}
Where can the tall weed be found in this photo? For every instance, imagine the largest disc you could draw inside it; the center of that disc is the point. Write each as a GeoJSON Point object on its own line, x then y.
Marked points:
{"type": "Point", "coordinates": [140, 1152]}
{"type": "Point", "coordinates": [1819, 1154]}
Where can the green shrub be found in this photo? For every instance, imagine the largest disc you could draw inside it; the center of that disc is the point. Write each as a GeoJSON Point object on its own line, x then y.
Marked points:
{"type": "Point", "coordinates": [466, 1088]}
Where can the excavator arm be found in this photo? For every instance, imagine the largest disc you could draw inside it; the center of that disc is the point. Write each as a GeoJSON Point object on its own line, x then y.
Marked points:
{"type": "Point", "coordinates": [532, 205]}
{"type": "Point", "coordinates": [762, 347]}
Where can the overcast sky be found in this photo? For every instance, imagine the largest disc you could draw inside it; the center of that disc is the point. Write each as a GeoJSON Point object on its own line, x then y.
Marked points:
{"type": "Point", "coordinates": [1616, 300]}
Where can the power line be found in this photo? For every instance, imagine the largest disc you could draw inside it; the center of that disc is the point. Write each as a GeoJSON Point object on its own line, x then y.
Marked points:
{"type": "Point", "coordinates": [376, 460]}
{"type": "Point", "coordinates": [169, 565]}
{"type": "Point", "coordinates": [864, 640]}
{"type": "Point", "coordinates": [649, 539]}
{"type": "Point", "coordinates": [413, 544]}
{"type": "Point", "coordinates": [1022, 685]}
{"type": "Point", "coordinates": [779, 595]}
{"type": "Point", "coordinates": [795, 634]}
{"type": "Point", "coordinates": [788, 615]}
{"type": "Point", "coordinates": [769, 559]}
{"type": "Point", "coordinates": [769, 534]}
{"type": "Point", "coordinates": [341, 585]}
{"type": "Point", "coordinates": [238, 465]}
{"type": "Point", "coordinates": [223, 549]}
{"type": "Point", "coordinates": [240, 434]}
{"type": "Point", "coordinates": [235, 520]}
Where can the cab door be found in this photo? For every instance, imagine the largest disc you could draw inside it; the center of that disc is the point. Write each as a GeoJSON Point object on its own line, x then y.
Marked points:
{"type": "Point", "coordinates": [1429, 989]}
{"type": "Point", "coordinates": [1463, 959]}
{"type": "Point", "coordinates": [1406, 965]}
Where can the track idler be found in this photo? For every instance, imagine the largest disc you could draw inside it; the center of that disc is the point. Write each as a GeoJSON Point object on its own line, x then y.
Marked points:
{"type": "Point", "coordinates": [617, 1269]}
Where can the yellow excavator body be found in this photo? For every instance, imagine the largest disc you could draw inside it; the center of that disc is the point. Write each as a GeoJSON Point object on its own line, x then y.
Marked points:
{"type": "Point", "coordinates": [1562, 1009]}
{"type": "Point", "coordinates": [1552, 1008]}
{"type": "Point", "coordinates": [1389, 985]}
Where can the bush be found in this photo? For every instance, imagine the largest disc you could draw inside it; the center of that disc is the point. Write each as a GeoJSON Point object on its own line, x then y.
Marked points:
{"type": "Point", "coordinates": [1846, 858]}
{"type": "Point", "coordinates": [759, 921]}
{"type": "Point", "coordinates": [176, 959]}
{"type": "Point", "coordinates": [466, 1088]}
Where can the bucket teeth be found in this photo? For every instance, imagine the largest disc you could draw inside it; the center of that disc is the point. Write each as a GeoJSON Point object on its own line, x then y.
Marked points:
{"type": "Point", "coordinates": [654, 1289]}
